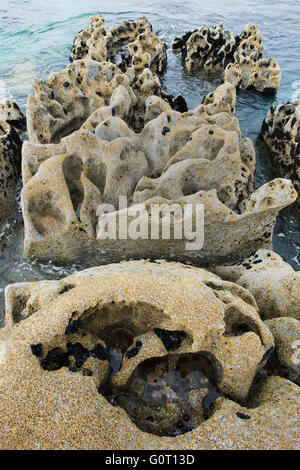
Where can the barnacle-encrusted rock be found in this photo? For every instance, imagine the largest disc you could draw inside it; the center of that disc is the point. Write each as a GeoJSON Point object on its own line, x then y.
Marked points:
{"type": "Point", "coordinates": [10, 163]}
{"type": "Point", "coordinates": [281, 132]}
{"type": "Point", "coordinates": [241, 56]}
{"type": "Point", "coordinates": [11, 113]}
{"type": "Point", "coordinates": [286, 332]}
{"type": "Point", "coordinates": [273, 282]}
{"type": "Point", "coordinates": [131, 44]}
{"type": "Point", "coordinates": [55, 350]}
{"type": "Point", "coordinates": [195, 157]}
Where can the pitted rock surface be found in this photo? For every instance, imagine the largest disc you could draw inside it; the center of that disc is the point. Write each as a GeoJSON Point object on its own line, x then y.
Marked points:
{"type": "Point", "coordinates": [55, 359]}
{"type": "Point", "coordinates": [273, 282]}
{"type": "Point", "coordinates": [132, 44]}
{"type": "Point", "coordinates": [281, 132]}
{"type": "Point", "coordinates": [240, 56]}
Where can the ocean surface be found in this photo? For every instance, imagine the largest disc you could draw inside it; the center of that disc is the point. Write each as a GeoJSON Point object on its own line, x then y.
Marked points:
{"type": "Point", "coordinates": [36, 37]}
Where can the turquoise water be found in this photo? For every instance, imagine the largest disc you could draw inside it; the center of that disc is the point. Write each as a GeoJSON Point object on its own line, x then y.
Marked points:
{"type": "Point", "coordinates": [36, 37]}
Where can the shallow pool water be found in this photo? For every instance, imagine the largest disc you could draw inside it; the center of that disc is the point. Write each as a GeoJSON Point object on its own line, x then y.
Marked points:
{"type": "Point", "coordinates": [36, 39]}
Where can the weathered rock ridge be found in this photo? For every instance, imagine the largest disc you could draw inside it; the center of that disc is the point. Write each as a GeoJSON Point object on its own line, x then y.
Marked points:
{"type": "Point", "coordinates": [56, 350]}
{"type": "Point", "coordinates": [240, 56]}
{"type": "Point", "coordinates": [196, 157]}
{"type": "Point", "coordinates": [281, 132]}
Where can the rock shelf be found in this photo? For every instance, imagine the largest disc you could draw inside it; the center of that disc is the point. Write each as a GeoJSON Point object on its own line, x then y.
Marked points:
{"type": "Point", "coordinates": [197, 157]}
{"type": "Point", "coordinates": [59, 346]}
{"type": "Point", "coordinates": [150, 354]}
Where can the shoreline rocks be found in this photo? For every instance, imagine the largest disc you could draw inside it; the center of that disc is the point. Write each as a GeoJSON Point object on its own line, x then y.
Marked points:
{"type": "Point", "coordinates": [130, 45]}
{"type": "Point", "coordinates": [196, 157]}
{"type": "Point", "coordinates": [273, 282]}
{"type": "Point", "coordinates": [239, 56]}
{"type": "Point", "coordinates": [12, 122]}
{"type": "Point", "coordinates": [148, 354]}
{"type": "Point", "coordinates": [62, 316]}
{"type": "Point", "coordinates": [280, 131]}
{"type": "Point", "coordinates": [286, 359]}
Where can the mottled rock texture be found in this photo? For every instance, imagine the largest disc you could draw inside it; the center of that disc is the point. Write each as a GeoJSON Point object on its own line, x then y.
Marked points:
{"type": "Point", "coordinates": [12, 115]}
{"type": "Point", "coordinates": [240, 56]}
{"type": "Point", "coordinates": [208, 48]}
{"type": "Point", "coordinates": [286, 358]}
{"type": "Point", "coordinates": [281, 132]}
{"type": "Point", "coordinates": [262, 75]}
{"type": "Point", "coordinates": [53, 359]}
{"type": "Point", "coordinates": [63, 103]}
{"type": "Point", "coordinates": [12, 122]}
{"type": "Point", "coordinates": [131, 44]}
{"type": "Point", "coordinates": [273, 282]}
{"type": "Point", "coordinates": [196, 157]}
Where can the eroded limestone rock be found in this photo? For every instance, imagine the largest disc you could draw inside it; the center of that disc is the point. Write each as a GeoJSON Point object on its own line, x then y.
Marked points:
{"type": "Point", "coordinates": [63, 103]}
{"type": "Point", "coordinates": [240, 56]}
{"type": "Point", "coordinates": [273, 282]}
{"type": "Point", "coordinates": [198, 156]}
{"type": "Point", "coordinates": [11, 113]}
{"type": "Point", "coordinates": [262, 75]}
{"type": "Point", "coordinates": [132, 44]}
{"type": "Point", "coordinates": [281, 131]}
{"type": "Point", "coordinates": [210, 48]}
{"type": "Point", "coordinates": [286, 332]}
{"type": "Point", "coordinates": [55, 360]}
{"type": "Point", "coordinates": [10, 163]}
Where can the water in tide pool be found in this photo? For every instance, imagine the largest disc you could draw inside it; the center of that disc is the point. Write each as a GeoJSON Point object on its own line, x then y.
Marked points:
{"type": "Point", "coordinates": [36, 38]}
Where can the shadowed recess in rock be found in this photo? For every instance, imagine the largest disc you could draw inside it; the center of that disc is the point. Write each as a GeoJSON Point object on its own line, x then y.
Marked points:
{"type": "Point", "coordinates": [170, 395]}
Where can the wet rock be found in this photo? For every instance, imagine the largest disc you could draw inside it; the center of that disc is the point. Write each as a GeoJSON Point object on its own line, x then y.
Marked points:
{"type": "Point", "coordinates": [240, 56]}
{"type": "Point", "coordinates": [10, 163]}
{"type": "Point", "coordinates": [281, 131]}
{"type": "Point", "coordinates": [248, 69]}
{"type": "Point", "coordinates": [208, 48]}
{"type": "Point", "coordinates": [139, 296]}
{"type": "Point", "coordinates": [273, 282]}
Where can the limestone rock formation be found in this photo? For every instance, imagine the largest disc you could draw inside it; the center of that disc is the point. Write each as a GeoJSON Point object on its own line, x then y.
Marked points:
{"type": "Point", "coordinates": [273, 282]}
{"type": "Point", "coordinates": [210, 48]}
{"type": "Point", "coordinates": [12, 115]}
{"type": "Point", "coordinates": [262, 75]}
{"type": "Point", "coordinates": [63, 103]}
{"type": "Point", "coordinates": [240, 56]}
{"type": "Point", "coordinates": [281, 132]}
{"type": "Point", "coordinates": [10, 164]}
{"type": "Point", "coordinates": [196, 157]}
{"type": "Point", "coordinates": [131, 44]}
{"type": "Point", "coordinates": [55, 359]}
{"type": "Point", "coordinates": [286, 332]}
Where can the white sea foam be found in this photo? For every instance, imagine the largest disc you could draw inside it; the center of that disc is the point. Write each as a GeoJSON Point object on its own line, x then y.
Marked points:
{"type": "Point", "coordinates": [20, 81]}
